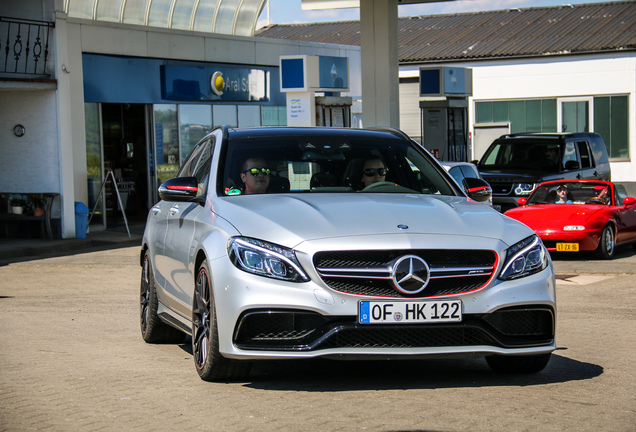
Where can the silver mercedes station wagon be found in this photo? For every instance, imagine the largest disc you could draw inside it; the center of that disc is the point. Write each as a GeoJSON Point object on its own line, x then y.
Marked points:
{"type": "Point", "coordinates": [279, 243]}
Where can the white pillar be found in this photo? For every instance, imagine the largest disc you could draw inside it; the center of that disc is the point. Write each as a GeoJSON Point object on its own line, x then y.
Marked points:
{"type": "Point", "coordinates": [65, 137]}
{"type": "Point", "coordinates": [379, 51]}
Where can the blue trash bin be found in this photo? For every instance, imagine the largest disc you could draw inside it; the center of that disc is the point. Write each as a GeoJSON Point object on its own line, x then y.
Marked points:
{"type": "Point", "coordinates": [81, 220]}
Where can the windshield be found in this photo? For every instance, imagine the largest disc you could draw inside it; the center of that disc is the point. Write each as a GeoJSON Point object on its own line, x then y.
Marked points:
{"type": "Point", "coordinates": [523, 155]}
{"type": "Point", "coordinates": [572, 193]}
{"type": "Point", "coordinates": [331, 163]}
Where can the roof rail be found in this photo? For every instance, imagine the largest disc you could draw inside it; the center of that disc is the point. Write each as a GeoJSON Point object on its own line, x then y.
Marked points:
{"type": "Point", "coordinates": [391, 130]}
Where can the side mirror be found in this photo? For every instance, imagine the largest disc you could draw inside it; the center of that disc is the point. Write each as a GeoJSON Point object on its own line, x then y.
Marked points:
{"type": "Point", "coordinates": [629, 201]}
{"type": "Point", "coordinates": [572, 165]}
{"type": "Point", "coordinates": [181, 189]}
{"type": "Point", "coordinates": [522, 201]}
{"type": "Point", "coordinates": [477, 189]}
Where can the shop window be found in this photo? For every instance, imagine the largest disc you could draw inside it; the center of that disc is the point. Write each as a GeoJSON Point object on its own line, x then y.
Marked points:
{"type": "Point", "coordinates": [167, 141]}
{"type": "Point", "coordinates": [225, 115]}
{"type": "Point", "coordinates": [611, 114]}
{"type": "Point", "coordinates": [195, 122]}
{"type": "Point", "coordinates": [249, 115]}
{"type": "Point", "coordinates": [532, 115]}
{"type": "Point", "coordinates": [93, 160]}
{"type": "Point", "coordinates": [274, 115]}
{"type": "Point", "coordinates": [483, 112]}
{"type": "Point", "coordinates": [517, 116]}
{"type": "Point", "coordinates": [548, 115]}
{"type": "Point", "coordinates": [500, 112]}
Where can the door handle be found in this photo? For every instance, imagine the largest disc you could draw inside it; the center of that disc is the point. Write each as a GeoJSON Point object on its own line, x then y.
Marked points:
{"type": "Point", "coordinates": [174, 209]}
{"type": "Point", "coordinates": [155, 210]}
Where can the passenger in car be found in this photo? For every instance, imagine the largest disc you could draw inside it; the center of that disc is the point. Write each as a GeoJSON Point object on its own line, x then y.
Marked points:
{"type": "Point", "coordinates": [255, 176]}
{"type": "Point", "coordinates": [373, 170]}
{"type": "Point", "coordinates": [551, 156]}
{"type": "Point", "coordinates": [562, 193]}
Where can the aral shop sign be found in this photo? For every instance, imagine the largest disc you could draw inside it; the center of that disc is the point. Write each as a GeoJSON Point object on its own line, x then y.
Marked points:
{"type": "Point", "coordinates": [220, 83]}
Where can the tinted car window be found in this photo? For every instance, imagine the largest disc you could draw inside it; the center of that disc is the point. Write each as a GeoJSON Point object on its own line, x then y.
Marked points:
{"type": "Point", "coordinates": [584, 153]}
{"type": "Point", "coordinates": [322, 164]}
{"type": "Point", "coordinates": [457, 174]}
{"type": "Point", "coordinates": [541, 156]}
{"type": "Point", "coordinates": [202, 170]}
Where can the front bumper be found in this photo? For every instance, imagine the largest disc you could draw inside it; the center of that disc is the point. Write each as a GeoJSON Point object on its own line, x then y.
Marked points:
{"type": "Point", "coordinates": [261, 318]}
{"type": "Point", "coordinates": [289, 330]}
{"type": "Point", "coordinates": [587, 240]}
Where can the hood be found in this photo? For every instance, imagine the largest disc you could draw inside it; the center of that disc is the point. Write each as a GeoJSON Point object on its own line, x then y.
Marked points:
{"type": "Point", "coordinates": [291, 219]}
{"type": "Point", "coordinates": [554, 216]}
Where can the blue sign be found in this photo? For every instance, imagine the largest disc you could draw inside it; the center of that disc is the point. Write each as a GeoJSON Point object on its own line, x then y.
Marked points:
{"type": "Point", "coordinates": [454, 81]}
{"type": "Point", "coordinates": [446, 81]}
{"type": "Point", "coordinates": [305, 73]}
{"type": "Point", "coordinates": [292, 73]}
{"type": "Point", "coordinates": [430, 82]}
{"type": "Point", "coordinates": [333, 73]}
{"type": "Point", "coordinates": [214, 83]}
{"type": "Point", "coordinates": [120, 79]}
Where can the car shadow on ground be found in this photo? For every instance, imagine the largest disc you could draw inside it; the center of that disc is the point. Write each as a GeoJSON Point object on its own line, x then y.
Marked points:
{"type": "Point", "coordinates": [333, 375]}
{"type": "Point", "coordinates": [319, 375]}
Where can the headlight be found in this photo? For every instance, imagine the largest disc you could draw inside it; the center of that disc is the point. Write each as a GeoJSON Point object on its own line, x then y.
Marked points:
{"type": "Point", "coordinates": [524, 189]}
{"type": "Point", "coordinates": [265, 259]}
{"type": "Point", "coordinates": [527, 257]}
{"type": "Point", "coordinates": [573, 228]}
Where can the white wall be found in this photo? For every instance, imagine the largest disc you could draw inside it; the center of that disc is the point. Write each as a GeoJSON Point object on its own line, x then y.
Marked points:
{"type": "Point", "coordinates": [29, 164]}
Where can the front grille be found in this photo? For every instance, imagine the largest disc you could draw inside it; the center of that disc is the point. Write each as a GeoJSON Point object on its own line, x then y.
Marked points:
{"type": "Point", "coordinates": [500, 188]}
{"type": "Point", "coordinates": [414, 337]}
{"type": "Point", "coordinates": [288, 330]}
{"type": "Point", "coordinates": [368, 273]}
{"type": "Point", "coordinates": [533, 322]}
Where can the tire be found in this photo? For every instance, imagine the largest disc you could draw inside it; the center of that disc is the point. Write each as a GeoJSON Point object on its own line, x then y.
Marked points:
{"type": "Point", "coordinates": [607, 243]}
{"type": "Point", "coordinates": [153, 330]}
{"type": "Point", "coordinates": [210, 364]}
{"type": "Point", "coordinates": [518, 364]}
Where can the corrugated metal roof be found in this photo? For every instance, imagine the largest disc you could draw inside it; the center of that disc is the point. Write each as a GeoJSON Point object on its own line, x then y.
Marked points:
{"type": "Point", "coordinates": [569, 29]}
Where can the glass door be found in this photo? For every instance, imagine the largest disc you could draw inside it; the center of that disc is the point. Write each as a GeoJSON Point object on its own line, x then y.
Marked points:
{"type": "Point", "coordinates": [94, 164]}
{"type": "Point", "coordinates": [575, 115]}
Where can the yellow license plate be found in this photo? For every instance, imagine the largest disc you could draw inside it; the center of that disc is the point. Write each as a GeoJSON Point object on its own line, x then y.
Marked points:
{"type": "Point", "coordinates": [567, 247]}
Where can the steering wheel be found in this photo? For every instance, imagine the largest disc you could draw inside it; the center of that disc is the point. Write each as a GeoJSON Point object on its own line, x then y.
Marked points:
{"type": "Point", "coordinates": [596, 201]}
{"type": "Point", "coordinates": [378, 184]}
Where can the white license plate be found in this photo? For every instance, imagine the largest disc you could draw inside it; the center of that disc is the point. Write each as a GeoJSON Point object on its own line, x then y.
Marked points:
{"type": "Point", "coordinates": [405, 312]}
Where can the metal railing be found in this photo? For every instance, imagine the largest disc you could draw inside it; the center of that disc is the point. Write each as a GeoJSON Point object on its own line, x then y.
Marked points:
{"type": "Point", "coordinates": [24, 46]}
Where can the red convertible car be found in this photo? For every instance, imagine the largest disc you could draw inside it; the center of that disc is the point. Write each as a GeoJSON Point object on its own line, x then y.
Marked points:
{"type": "Point", "coordinates": [579, 215]}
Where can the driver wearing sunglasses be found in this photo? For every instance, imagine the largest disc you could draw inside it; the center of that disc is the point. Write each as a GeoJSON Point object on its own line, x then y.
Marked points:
{"type": "Point", "coordinates": [373, 171]}
{"type": "Point", "coordinates": [255, 176]}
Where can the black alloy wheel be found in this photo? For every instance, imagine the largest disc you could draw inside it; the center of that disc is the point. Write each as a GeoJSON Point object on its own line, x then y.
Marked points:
{"type": "Point", "coordinates": [209, 362]}
{"type": "Point", "coordinates": [153, 330]}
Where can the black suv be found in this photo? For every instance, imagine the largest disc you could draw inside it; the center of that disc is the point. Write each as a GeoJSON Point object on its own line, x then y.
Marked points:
{"type": "Point", "coordinates": [515, 164]}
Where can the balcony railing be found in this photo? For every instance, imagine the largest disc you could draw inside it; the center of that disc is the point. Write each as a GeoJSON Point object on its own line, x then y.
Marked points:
{"type": "Point", "coordinates": [24, 47]}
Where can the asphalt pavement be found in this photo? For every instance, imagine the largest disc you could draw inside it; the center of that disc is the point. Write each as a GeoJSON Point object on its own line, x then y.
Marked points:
{"type": "Point", "coordinates": [72, 359]}
{"type": "Point", "coordinates": [20, 249]}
